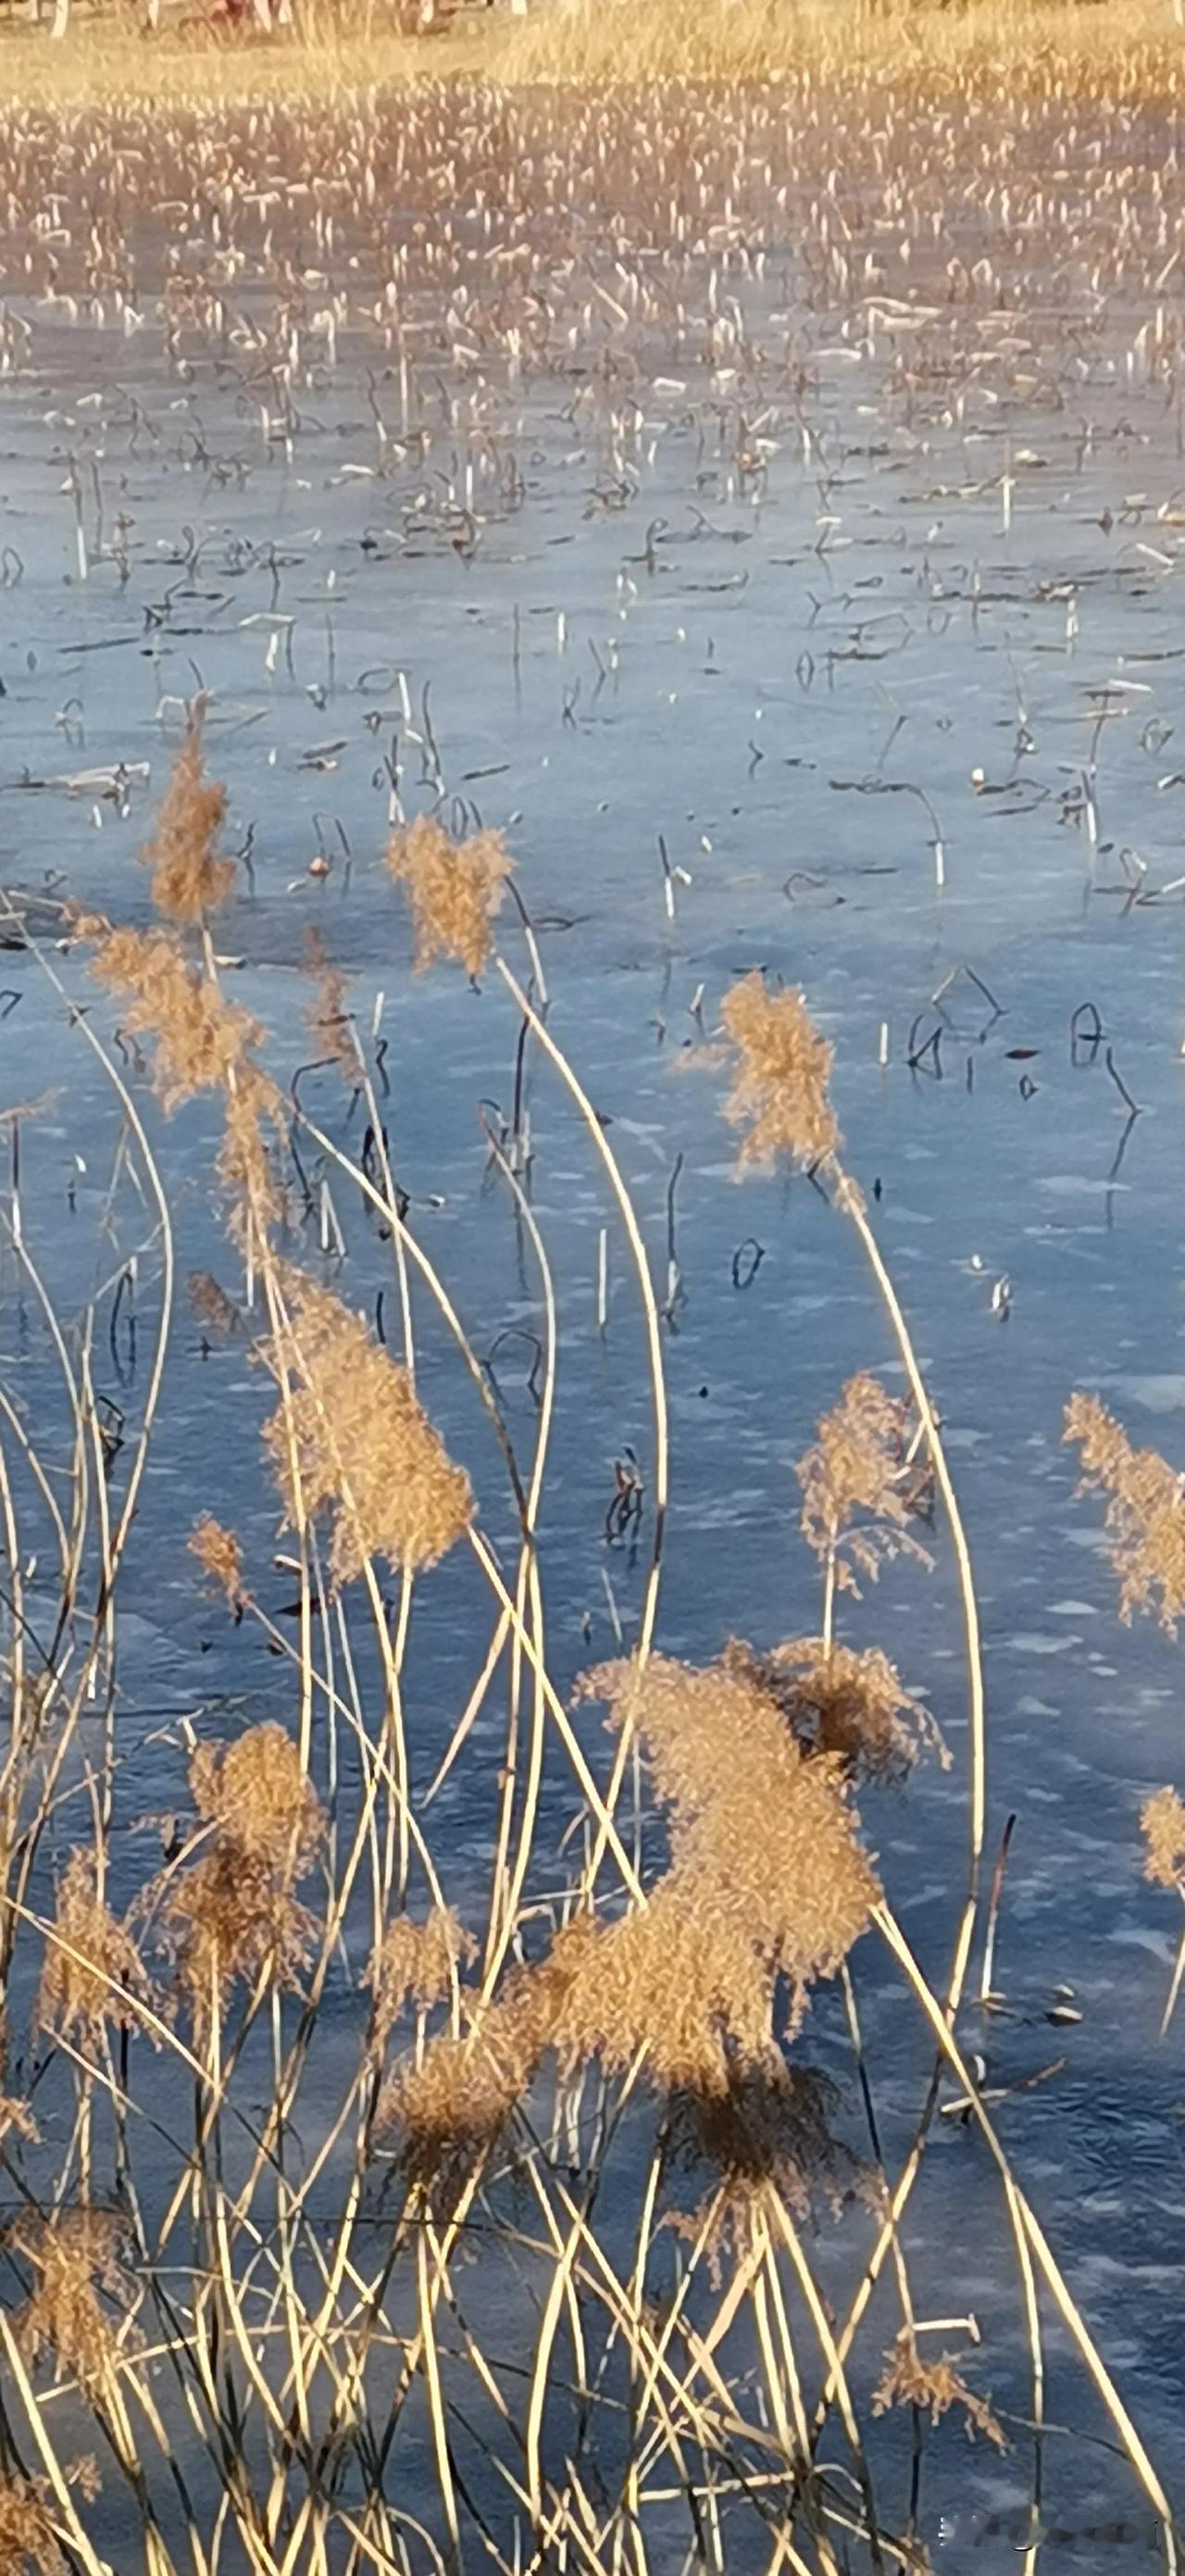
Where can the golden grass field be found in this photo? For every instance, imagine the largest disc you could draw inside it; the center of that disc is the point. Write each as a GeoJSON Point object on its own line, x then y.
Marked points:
{"type": "Point", "coordinates": [1134, 51]}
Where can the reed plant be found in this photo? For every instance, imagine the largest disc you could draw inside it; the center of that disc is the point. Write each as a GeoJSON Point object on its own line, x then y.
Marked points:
{"type": "Point", "coordinates": [362, 2216]}
{"type": "Point", "coordinates": [336, 51]}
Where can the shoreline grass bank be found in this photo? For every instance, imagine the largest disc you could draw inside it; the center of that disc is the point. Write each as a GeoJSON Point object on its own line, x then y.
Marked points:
{"type": "Point", "coordinates": [1134, 55]}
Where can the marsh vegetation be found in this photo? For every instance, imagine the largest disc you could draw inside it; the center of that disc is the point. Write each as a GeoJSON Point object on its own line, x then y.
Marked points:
{"type": "Point", "coordinates": [589, 1069]}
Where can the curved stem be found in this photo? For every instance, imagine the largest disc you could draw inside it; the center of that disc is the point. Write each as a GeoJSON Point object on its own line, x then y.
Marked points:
{"type": "Point", "coordinates": [1071, 2316]}
{"type": "Point", "coordinates": [851, 1202]}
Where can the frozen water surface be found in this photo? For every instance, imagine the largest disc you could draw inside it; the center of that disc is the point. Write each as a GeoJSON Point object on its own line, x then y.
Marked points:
{"type": "Point", "coordinates": [820, 532]}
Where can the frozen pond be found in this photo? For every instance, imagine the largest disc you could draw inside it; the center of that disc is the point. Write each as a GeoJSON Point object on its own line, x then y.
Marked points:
{"type": "Point", "coordinates": [773, 528]}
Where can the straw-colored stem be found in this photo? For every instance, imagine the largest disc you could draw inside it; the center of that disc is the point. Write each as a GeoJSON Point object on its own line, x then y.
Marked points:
{"type": "Point", "coordinates": [849, 1198]}
{"type": "Point", "coordinates": [1070, 2314]}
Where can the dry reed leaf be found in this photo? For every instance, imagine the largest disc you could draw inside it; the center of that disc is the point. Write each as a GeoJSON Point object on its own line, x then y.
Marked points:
{"type": "Point", "coordinates": [350, 1436]}
{"type": "Point", "coordinates": [1145, 1520]}
{"type": "Point", "coordinates": [15, 2114]}
{"type": "Point", "coordinates": [933, 2387]}
{"type": "Point", "coordinates": [852, 1704]}
{"type": "Point", "coordinates": [856, 1467]}
{"type": "Point", "coordinates": [1162, 1823]}
{"type": "Point", "coordinates": [74, 2256]}
{"type": "Point", "coordinates": [417, 1961]}
{"type": "Point", "coordinates": [92, 1975]}
{"type": "Point", "coordinates": [188, 878]}
{"type": "Point", "coordinates": [454, 889]}
{"type": "Point", "coordinates": [781, 1068]}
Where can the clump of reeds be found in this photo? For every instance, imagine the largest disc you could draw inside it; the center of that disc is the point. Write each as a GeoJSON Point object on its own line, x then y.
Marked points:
{"type": "Point", "coordinates": [933, 2387]}
{"type": "Point", "coordinates": [93, 1976]}
{"type": "Point", "coordinates": [1145, 1520]}
{"type": "Point", "coordinates": [75, 2257]}
{"type": "Point", "coordinates": [350, 1436]}
{"type": "Point", "coordinates": [767, 1881]}
{"type": "Point", "coordinates": [454, 889]}
{"type": "Point", "coordinates": [234, 1912]}
{"type": "Point", "coordinates": [781, 1069]}
{"type": "Point", "coordinates": [845, 1702]}
{"type": "Point", "coordinates": [189, 879]}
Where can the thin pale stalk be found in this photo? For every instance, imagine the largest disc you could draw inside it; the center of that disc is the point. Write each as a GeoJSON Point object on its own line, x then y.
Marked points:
{"type": "Point", "coordinates": [1070, 2314]}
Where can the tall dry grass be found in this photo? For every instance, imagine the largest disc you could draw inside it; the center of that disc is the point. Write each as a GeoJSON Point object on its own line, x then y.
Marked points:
{"type": "Point", "coordinates": [334, 52]}
{"type": "Point", "coordinates": [357, 2223]}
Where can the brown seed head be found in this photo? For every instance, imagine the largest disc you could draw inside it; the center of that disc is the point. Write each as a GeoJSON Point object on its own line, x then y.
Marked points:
{"type": "Point", "coordinates": [853, 1484]}
{"type": "Point", "coordinates": [27, 2538]}
{"type": "Point", "coordinates": [331, 1026]}
{"type": "Point", "coordinates": [219, 1554]}
{"type": "Point", "coordinates": [417, 1961]}
{"type": "Point", "coordinates": [1145, 1520]}
{"type": "Point", "coordinates": [233, 1913]}
{"type": "Point", "coordinates": [1162, 1823]}
{"type": "Point", "coordinates": [668, 1985]}
{"type": "Point", "coordinates": [851, 1704]}
{"type": "Point", "coordinates": [200, 1037]}
{"type": "Point", "coordinates": [768, 2131]}
{"type": "Point", "coordinates": [350, 1436]}
{"type": "Point", "coordinates": [454, 889]}
{"type": "Point", "coordinates": [214, 1310]}
{"type": "Point", "coordinates": [763, 1840]}
{"type": "Point", "coordinates": [92, 1974]}
{"type": "Point", "coordinates": [933, 2387]}
{"type": "Point", "coordinates": [453, 2107]}
{"type": "Point", "coordinates": [781, 1070]}
{"type": "Point", "coordinates": [259, 1800]}
{"type": "Point", "coordinates": [188, 879]}
{"type": "Point", "coordinates": [228, 1917]}
{"type": "Point", "coordinates": [766, 1879]}
{"type": "Point", "coordinates": [74, 2257]}
{"type": "Point", "coordinates": [16, 2115]}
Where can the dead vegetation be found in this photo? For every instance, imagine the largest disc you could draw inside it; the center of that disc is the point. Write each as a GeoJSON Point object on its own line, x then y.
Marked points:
{"type": "Point", "coordinates": [489, 2132]}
